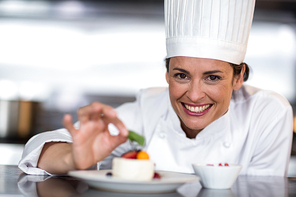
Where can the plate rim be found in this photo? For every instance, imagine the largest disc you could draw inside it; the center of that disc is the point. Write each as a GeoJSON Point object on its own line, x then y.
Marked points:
{"type": "Point", "coordinates": [190, 178]}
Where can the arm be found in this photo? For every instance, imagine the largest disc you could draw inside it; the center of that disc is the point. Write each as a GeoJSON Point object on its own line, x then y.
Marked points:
{"type": "Point", "coordinates": [55, 158]}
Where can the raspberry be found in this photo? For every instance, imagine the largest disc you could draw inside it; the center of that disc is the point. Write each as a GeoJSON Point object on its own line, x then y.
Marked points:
{"type": "Point", "coordinates": [156, 176]}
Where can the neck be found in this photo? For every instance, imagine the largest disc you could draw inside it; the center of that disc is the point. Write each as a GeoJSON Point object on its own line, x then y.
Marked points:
{"type": "Point", "coordinates": [190, 133]}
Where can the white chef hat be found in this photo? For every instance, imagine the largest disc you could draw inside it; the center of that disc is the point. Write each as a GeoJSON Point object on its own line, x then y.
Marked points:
{"type": "Point", "coordinates": [216, 29]}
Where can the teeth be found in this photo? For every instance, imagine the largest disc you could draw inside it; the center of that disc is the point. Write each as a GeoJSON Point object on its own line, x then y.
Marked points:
{"type": "Point", "coordinates": [197, 109]}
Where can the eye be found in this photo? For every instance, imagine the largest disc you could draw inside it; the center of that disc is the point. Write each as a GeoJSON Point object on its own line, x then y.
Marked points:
{"type": "Point", "coordinates": [180, 76]}
{"type": "Point", "coordinates": [213, 78]}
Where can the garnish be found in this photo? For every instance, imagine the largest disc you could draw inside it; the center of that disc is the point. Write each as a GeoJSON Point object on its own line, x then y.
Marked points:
{"type": "Point", "coordinates": [130, 155]}
{"type": "Point", "coordinates": [132, 136]}
{"type": "Point", "coordinates": [135, 154]}
{"type": "Point", "coordinates": [142, 155]}
{"type": "Point", "coordinates": [156, 176]}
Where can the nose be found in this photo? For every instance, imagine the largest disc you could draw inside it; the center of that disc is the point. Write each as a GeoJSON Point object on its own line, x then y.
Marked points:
{"type": "Point", "coordinates": [195, 91]}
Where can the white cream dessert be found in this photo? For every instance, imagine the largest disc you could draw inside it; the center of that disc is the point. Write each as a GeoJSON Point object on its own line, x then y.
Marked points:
{"type": "Point", "coordinates": [133, 169]}
{"type": "Point", "coordinates": [134, 165]}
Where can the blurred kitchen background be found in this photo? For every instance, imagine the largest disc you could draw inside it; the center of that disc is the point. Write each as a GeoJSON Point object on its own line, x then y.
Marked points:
{"type": "Point", "coordinates": [56, 56]}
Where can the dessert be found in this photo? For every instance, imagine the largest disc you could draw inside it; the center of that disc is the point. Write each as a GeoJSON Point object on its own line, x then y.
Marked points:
{"type": "Point", "coordinates": [133, 169]}
{"type": "Point", "coordinates": [134, 165]}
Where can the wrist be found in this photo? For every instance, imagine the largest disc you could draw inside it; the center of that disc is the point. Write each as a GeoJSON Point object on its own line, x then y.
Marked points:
{"type": "Point", "coordinates": [69, 162]}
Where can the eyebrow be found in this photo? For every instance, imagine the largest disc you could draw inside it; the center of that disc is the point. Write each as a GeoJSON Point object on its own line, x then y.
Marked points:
{"type": "Point", "coordinates": [205, 73]}
{"type": "Point", "coordinates": [212, 72]}
{"type": "Point", "coordinates": [181, 70]}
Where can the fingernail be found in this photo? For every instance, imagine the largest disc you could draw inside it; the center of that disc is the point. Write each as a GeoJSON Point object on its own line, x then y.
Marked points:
{"type": "Point", "coordinates": [113, 129]}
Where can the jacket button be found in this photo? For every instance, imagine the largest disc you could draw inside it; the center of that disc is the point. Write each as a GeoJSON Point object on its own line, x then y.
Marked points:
{"type": "Point", "coordinates": [162, 135]}
{"type": "Point", "coordinates": [226, 144]}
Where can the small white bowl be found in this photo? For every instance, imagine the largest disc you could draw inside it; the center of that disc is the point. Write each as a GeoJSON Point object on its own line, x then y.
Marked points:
{"type": "Point", "coordinates": [217, 177]}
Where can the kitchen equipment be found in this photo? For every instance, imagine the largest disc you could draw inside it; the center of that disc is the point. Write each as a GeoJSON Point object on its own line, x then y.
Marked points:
{"type": "Point", "coordinates": [16, 117]}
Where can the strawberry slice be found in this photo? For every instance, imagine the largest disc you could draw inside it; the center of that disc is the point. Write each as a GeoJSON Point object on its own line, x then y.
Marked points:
{"type": "Point", "coordinates": [130, 155]}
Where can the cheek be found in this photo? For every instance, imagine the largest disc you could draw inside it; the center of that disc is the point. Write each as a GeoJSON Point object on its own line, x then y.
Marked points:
{"type": "Point", "coordinates": [220, 94]}
{"type": "Point", "coordinates": [176, 90]}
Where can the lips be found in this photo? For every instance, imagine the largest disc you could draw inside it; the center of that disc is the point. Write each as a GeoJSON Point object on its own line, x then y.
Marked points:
{"type": "Point", "coordinates": [197, 109]}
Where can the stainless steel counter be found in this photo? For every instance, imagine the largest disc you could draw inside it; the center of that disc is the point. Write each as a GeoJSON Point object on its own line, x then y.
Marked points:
{"type": "Point", "coordinates": [14, 183]}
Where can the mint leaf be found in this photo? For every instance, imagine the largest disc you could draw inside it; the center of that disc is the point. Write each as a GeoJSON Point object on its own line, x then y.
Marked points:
{"type": "Point", "coordinates": [132, 136]}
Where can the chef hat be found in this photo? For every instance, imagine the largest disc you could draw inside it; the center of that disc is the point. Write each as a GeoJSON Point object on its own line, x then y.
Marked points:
{"type": "Point", "coordinates": [216, 29]}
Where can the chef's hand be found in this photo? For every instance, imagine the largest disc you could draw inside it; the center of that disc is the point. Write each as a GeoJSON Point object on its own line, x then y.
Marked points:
{"type": "Point", "coordinates": [92, 141]}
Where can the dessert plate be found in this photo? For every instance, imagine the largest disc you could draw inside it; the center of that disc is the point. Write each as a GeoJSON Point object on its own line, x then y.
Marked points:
{"type": "Point", "coordinates": [168, 182]}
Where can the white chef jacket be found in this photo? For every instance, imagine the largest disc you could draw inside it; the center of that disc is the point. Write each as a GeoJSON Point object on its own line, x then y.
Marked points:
{"type": "Point", "coordinates": [256, 133]}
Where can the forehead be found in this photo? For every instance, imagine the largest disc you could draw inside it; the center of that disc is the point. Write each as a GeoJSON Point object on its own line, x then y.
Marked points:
{"type": "Point", "coordinates": [201, 64]}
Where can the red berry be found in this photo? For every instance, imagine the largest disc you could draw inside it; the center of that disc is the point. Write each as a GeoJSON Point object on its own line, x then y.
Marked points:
{"type": "Point", "coordinates": [220, 164]}
{"type": "Point", "coordinates": [130, 154]}
{"type": "Point", "coordinates": [156, 176]}
{"type": "Point", "coordinates": [226, 164]}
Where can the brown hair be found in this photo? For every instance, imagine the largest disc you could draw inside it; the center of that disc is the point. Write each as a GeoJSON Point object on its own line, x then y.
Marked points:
{"type": "Point", "coordinates": [236, 68]}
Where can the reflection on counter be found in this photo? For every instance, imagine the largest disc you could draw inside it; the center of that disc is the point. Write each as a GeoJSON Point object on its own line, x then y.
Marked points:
{"type": "Point", "coordinates": [245, 186]}
{"type": "Point", "coordinates": [261, 186]}
{"type": "Point", "coordinates": [10, 153]}
{"type": "Point", "coordinates": [44, 186]}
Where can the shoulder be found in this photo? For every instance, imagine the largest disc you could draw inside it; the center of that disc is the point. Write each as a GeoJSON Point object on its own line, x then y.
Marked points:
{"type": "Point", "coordinates": [259, 109]}
{"type": "Point", "coordinates": [155, 92]}
{"type": "Point", "coordinates": [156, 99]}
{"type": "Point", "coordinates": [150, 102]}
{"type": "Point", "coordinates": [147, 95]}
{"type": "Point", "coordinates": [152, 97]}
{"type": "Point", "coordinates": [260, 99]}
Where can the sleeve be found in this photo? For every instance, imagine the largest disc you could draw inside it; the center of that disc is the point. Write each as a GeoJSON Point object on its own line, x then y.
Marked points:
{"type": "Point", "coordinates": [33, 148]}
{"type": "Point", "coordinates": [273, 149]}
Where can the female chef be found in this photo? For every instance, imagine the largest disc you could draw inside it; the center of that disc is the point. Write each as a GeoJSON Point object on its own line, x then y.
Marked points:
{"type": "Point", "coordinates": [205, 115]}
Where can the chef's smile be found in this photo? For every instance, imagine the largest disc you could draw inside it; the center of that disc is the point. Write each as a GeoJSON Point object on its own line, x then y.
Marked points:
{"type": "Point", "coordinates": [196, 110]}
{"type": "Point", "coordinates": [200, 91]}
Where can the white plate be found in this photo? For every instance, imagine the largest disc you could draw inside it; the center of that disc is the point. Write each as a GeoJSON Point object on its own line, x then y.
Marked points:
{"type": "Point", "coordinates": [169, 182]}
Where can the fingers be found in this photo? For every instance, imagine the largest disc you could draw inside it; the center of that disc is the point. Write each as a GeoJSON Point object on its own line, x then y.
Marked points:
{"type": "Point", "coordinates": [95, 111]}
{"type": "Point", "coordinates": [100, 112]}
{"type": "Point", "coordinates": [67, 122]}
{"type": "Point", "coordinates": [123, 132]}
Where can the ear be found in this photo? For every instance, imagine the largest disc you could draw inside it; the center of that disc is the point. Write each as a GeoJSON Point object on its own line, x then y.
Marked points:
{"type": "Point", "coordinates": [167, 77]}
{"type": "Point", "coordinates": [239, 79]}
